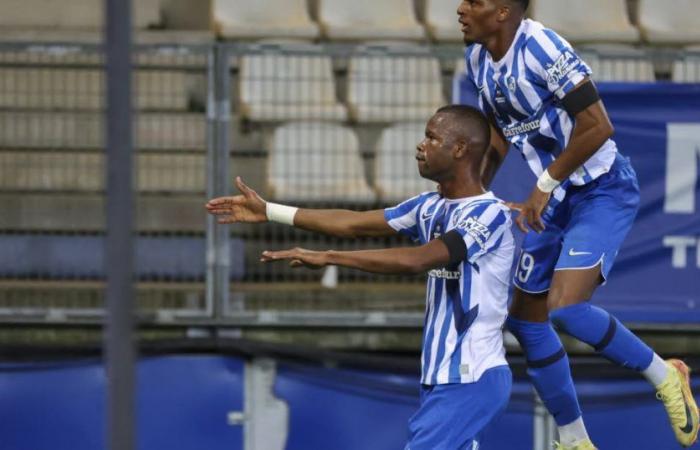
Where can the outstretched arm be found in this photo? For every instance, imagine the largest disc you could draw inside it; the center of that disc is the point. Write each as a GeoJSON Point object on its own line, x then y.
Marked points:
{"type": "Point", "coordinates": [249, 207]}
{"type": "Point", "coordinates": [402, 260]}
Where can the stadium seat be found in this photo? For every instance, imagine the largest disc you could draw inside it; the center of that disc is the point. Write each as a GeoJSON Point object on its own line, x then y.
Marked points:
{"type": "Point", "coordinates": [384, 88]}
{"type": "Point", "coordinates": [670, 23]}
{"type": "Point", "coordinates": [686, 69]}
{"type": "Point", "coordinates": [254, 19]}
{"type": "Point", "coordinates": [281, 87]}
{"type": "Point", "coordinates": [316, 161]}
{"type": "Point", "coordinates": [441, 20]}
{"type": "Point", "coordinates": [84, 172]}
{"type": "Point", "coordinates": [619, 63]}
{"type": "Point", "coordinates": [71, 14]}
{"type": "Point", "coordinates": [587, 21]}
{"type": "Point", "coordinates": [83, 89]}
{"type": "Point", "coordinates": [83, 130]}
{"type": "Point", "coordinates": [396, 176]}
{"type": "Point", "coordinates": [369, 20]}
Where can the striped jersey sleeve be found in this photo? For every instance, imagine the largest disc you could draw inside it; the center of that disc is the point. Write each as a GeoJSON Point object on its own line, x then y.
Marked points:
{"type": "Point", "coordinates": [404, 217]}
{"type": "Point", "coordinates": [482, 228]}
{"type": "Point", "coordinates": [553, 60]}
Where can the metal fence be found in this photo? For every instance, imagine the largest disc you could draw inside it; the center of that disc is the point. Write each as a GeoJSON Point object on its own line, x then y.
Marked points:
{"type": "Point", "coordinates": [311, 125]}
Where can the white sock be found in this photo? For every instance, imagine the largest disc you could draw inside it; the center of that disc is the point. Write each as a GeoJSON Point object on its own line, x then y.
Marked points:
{"type": "Point", "coordinates": [573, 433]}
{"type": "Point", "coordinates": [656, 372]}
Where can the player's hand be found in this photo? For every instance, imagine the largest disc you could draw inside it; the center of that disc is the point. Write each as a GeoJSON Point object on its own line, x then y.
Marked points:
{"type": "Point", "coordinates": [248, 207]}
{"type": "Point", "coordinates": [531, 211]}
{"type": "Point", "coordinates": [297, 257]}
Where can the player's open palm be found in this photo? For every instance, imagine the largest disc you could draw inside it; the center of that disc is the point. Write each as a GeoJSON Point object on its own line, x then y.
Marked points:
{"type": "Point", "coordinates": [247, 207]}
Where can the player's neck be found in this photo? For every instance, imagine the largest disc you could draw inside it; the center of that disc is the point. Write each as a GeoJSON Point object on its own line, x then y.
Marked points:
{"type": "Point", "coordinates": [501, 42]}
{"type": "Point", "coordinates": [453, 189]}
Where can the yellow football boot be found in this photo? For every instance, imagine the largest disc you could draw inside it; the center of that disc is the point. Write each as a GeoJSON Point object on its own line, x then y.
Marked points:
{"type": "Point", "coordinates": [679, 402]}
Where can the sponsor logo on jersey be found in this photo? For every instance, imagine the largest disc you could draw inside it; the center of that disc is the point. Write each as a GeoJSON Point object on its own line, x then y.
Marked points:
{"type": "Point", "coordinates": [475, 229]}
{"type": "Point", "coordinates": [561, 67]}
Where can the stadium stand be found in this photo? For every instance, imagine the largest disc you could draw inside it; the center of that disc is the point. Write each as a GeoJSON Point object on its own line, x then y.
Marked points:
{"type": "Point", "coordinates": [686, 69]}
{"type": "Point", "coordinates": [71, 14]}
{"type": "Point", "coordinates": [364, 20]}
{"type": "Point", "coordinates": [390, 88]}
{"type": "Point", "coordinates": [316, 161]}
{"type": "Point", "coordinates": [299, 86]}
{"type": "Point", "coordinates": [83, 89]}
{"type": "Point", "coordinates": [253, 19]}
{"type": "Point", "coordinates": [396, 175]}
{"type": "Point", "coordinates": [587, 21]}
{"type": "Point", "coordinates": [617, 62]}
{"type": "Point", "coordinates": [440, 21]}
{"type": "Point", "coordinates": [663, 23]}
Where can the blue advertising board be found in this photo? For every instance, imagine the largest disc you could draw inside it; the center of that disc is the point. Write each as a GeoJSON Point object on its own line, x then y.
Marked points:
{"type": "Point", "coordinates": [656, 278]}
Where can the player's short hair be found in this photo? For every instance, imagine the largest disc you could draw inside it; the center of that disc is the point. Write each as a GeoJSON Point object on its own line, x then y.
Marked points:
{"type": "Point", "coordinates": [469, 123]}
{"type": "Point", "coordinates": [525, 4]}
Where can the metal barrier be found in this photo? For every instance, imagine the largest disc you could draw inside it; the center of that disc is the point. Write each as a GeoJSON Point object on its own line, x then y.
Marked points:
{"type": "Point", "coordinates": [312, 125]}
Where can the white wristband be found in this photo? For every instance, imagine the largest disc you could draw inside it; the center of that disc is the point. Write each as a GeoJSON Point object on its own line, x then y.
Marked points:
{"type": "Point", "coordinates": [280, 213]}
{"type": "Point", "coordinates": [546, 183]}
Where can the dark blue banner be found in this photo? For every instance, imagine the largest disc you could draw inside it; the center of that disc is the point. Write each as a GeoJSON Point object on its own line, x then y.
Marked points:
{"type": "Point", "coordinates": [656, 277]}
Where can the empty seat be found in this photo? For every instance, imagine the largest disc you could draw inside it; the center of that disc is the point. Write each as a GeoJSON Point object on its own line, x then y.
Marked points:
{"type": "Point", "coordinates": [58, 88]}
{"type": "Point", "coordinates": [686, 69]}
{"type": "Point", "coordinates": [282, 87]}
{"type": "Point", "coordinates": [78, 130]}
{"type": "Point", "coordinates": [396, 174]}
{"type": "Point", "coordinates": [316, 161]}
{"type": "Point", "coordinates": [670, 22]}
{"type": "Point", "coordinates": [385, 88]}
{"type": "Point", "coordinates": [369, 19]}
{"type": "Point", "coordinates": [587, 21]}
{"type": "Point", "coordinates": [441, 20]}
{"type": "Point", "coordinates": [71, 14]}
{"type": "Point", "coordinates": [72, 171]}
{"type": "Point", "coordinates": [254, 19]}
{"type": "Point", "coordinates": [618, 63]}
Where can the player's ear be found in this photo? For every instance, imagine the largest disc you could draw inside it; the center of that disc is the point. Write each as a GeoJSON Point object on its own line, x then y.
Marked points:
{"type": "Point", "coordinates": [460, 149]}
{"type": "Point", "coordinates": [504, 12]}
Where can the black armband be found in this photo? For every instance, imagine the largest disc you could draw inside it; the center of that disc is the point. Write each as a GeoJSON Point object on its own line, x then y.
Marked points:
{"type": "Point", "coordinates": [581, 98]}
{"type": "Point", "coordinates": [455, 246]}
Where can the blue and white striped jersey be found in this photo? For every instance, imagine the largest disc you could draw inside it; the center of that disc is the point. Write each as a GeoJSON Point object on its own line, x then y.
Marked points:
{"type": "Point", "coordinates": [466, 303]}
{"type": "Point", "coordinates": [523, 91]}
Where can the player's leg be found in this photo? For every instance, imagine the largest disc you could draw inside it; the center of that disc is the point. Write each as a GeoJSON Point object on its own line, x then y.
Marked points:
{"type": "Point", "coordinates": [454, 416]}
{"type": "Point", "coordinates": [547, 362]}
{"type": "Point", "coordinates": [600, 218]}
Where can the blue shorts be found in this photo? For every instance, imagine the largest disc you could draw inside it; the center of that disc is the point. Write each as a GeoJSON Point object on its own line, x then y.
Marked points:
{"type": "Point", "coordinates": [583, 230]}
{"type": "Point", "coordinates": [454, 416]}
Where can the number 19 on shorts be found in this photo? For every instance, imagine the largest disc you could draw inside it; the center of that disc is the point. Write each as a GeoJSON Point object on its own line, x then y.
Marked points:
{"type": "Point", "coordinates": [525, 266]}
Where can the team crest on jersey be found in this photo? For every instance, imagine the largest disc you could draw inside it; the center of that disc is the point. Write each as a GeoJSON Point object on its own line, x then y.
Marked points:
{"type": "Point", "coordinates": [511, 84]}
{"type": "Point", "coordinates": [561, 67]}
{"type": "Point", "coordinates": [475, 229]}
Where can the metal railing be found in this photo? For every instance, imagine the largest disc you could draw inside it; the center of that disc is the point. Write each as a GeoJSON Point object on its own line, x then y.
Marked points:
{"type": "Point", "coordinates": [313, 125]}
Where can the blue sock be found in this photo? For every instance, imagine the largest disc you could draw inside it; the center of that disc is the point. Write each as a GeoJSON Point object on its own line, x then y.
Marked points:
{"type": "Point", "coordinates": [604, 333]}
{"type": "Point", "coordinates": [548, 368]}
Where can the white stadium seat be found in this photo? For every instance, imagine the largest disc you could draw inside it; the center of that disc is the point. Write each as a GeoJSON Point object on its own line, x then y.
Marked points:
{"type": "Point", "coordinates": [396, 176]}
{"type": "Point", "coordinates": [71, 14]}
{"type": "Point", "coordinates": [58, 88]}
{"type": "Point", "coordinates": [383, 88]}
{"type": "Point", "coordinates": [255, 19]}
{"type": "Point", "coordinates": [619, 63]}
{"type": "Point", "coordinates": [316, 161]}
{"type": "Point", "coordinates": [687, 69]}
{"type": "Point", "coordinates": [441, 20]}
{"type": "Point", "coordinates": [282, 87]}
{"type": "Point", "coordinates": [587, 21]}
{"type": "Point", "coordinates": [673, 22]}
{"type": "Point", "coordinates": [369, 20]}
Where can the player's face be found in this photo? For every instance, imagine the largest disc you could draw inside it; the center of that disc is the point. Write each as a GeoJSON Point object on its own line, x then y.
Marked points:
{"type": "Point", "coordinates": [434, 153]}
{"type": "Point", "coordinates": [478, 19]}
